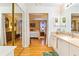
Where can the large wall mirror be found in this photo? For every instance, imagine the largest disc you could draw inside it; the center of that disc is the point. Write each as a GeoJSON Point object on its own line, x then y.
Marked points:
{"type": "Point", "coordinates": [75, 17]}
{"type": "Point", "coordinates": [75, 23]}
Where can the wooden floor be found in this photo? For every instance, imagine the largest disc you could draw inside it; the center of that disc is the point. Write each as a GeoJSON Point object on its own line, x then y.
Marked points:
{"type": "Point", "coordinates": [36, 48]}
{"type": "Point", "coordinates": [18, 42]}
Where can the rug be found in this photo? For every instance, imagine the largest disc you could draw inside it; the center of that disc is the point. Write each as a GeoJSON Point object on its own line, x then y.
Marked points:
{"type": "Point", "coordinates": [50, 53]}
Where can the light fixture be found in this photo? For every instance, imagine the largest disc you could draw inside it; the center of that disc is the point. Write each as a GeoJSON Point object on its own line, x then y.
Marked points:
{"type": "Point", "coordinates": [67, 5]}
{"type": "Point", "coordinates": [40, 19]}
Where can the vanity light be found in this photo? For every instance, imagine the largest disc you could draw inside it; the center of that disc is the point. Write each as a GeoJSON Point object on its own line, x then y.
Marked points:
{"type": "Point", "coordinates": [67, 5]}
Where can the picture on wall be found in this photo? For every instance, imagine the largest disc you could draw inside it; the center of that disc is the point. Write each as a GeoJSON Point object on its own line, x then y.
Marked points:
{"type": "Point", "coordinates": [32, 24]}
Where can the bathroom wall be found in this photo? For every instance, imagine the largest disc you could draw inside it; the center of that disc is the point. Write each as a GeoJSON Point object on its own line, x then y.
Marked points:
{"type": "Point", "coordinates": [3, 9]}
{"type": "Point", "coordinates": [53, 11]}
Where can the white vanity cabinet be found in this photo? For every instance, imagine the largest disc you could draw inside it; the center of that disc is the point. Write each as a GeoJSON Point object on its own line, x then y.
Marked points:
{"type": "Point", "coordinates": [74, 50]}
{"type": "Point", "coordinates": [54, 42]}
{"type": "Point", "coordinates": [63, 48]}
{"type": "Point", "coordinates": [65, 45]}
{"type": "Point", "coordinates": [59, 47]}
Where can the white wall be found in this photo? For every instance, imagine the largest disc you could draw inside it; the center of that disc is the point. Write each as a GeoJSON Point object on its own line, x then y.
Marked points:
{"type": "Point", "coordinates": [1, 40]}
{"type": "Point", "coordinates": [25, 27]}
{"type": "Point", "coordinates": [3, 9]}
{"type": "Point", "coordinates": [52, 12]}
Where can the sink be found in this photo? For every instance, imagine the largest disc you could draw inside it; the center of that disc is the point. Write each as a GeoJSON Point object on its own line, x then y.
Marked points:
{"type": "Point", "coordinates": [70, 38]}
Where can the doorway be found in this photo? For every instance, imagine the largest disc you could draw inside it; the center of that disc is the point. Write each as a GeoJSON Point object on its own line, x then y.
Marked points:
{"type": "Point", "coordinates": [38, 28]}
{"type": "Point", "coordinates": [7, 18]}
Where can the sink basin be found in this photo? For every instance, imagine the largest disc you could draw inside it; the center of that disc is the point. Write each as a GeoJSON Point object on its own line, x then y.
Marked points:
{"type": "Point", "coordinates": [70, 38]}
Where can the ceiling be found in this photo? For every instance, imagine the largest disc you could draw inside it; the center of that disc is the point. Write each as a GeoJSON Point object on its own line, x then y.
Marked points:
{"type": "Point", "coordinates": [5, 4]}
{"type": "Point", "coordinates": [38, 16]}
{"type": "Point", "coordinates": [42, 4]}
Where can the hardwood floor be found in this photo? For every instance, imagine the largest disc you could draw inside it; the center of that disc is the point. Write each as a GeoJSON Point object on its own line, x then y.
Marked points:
{"type": "Point", "coordinates": [36, 48]}
{"type": "Point", "coordinates": [18, 42]}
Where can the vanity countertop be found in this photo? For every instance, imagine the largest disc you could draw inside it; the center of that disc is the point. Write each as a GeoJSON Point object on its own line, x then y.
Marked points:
{"type": "Point", "coordinates": [5, 50]}
{"type": "Point", "coordinates": [71, 40]}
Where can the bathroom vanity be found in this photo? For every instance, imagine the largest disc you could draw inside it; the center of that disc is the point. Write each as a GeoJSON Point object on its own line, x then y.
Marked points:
{"type": "Point", "coordinates": [65, 45]}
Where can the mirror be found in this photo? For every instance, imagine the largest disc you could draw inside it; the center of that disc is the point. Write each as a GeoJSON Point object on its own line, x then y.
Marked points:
{"type": "Point", "coordinates": [70, 18]}
{"type": "Point", "coordinates": [75, 18]}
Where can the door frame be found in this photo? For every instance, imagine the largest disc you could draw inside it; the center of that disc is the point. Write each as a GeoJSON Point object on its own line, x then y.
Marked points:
{"type": "Point", "coordinates": [46, 26]}
{"type": "Point", "coordinates": [4, 31]}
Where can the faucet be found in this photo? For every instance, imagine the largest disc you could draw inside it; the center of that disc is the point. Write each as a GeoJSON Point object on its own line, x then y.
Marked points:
{"type": "Point", "coordinates": [72, 35]}
{"type": "Point", "coordinates": [58, 30]}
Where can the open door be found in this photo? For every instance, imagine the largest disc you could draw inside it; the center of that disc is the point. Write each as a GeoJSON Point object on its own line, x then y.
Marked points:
{"type": "Point", "coordinates": [38, 28]}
